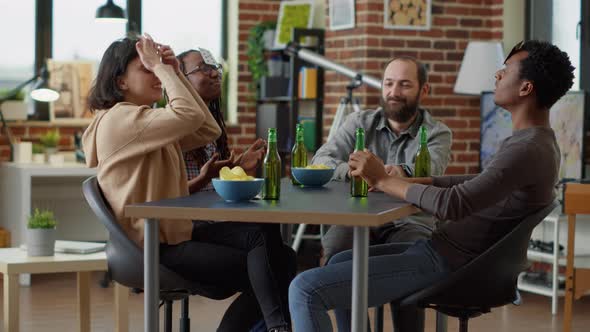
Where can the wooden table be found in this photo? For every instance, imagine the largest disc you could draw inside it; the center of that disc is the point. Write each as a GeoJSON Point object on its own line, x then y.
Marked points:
{"type": "Point", "coordinates": [14, 261]}
{"type": "Point", "coordinates": [577, 283]}
{"type": "Point", "coordinates": [330, 205]}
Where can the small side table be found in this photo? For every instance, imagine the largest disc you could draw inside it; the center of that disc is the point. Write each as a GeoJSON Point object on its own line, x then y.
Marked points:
{"type": "Point", "coordinates": [14, 261]}
{"type": "Point", "coordinates": [577, 283]}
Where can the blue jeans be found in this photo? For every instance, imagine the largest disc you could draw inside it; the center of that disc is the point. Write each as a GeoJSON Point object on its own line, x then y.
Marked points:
{"type": "Point", "coordinates": [395, 271]}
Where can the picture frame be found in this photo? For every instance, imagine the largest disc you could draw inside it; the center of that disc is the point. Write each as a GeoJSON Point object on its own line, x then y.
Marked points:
{"type": "Point", "coordinates": [73, 80]}
{"type": "Point", "coordinates": [342, 14]}
{"type": "Point", "coordinates": [292, 14]}
{"type": "Point", "coordinates": [567, 118]}
{"type": "Point", "coordinates": [407, 14]}
{"type": "Point", "coordinates": [495, 126]}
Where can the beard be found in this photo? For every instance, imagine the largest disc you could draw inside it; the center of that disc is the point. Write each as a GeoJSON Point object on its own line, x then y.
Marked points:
{"type": "Point", "coordinates": [401, 112]}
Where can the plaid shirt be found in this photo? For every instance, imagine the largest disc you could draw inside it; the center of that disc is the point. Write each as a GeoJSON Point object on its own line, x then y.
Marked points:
{"type": "Point", "coordinates": [193, 165]}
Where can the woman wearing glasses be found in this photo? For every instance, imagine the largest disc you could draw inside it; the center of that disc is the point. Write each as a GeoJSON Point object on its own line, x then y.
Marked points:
{"type": "Point", "coordinates": [137, 150]}
{"type": "Point", "coordinates": [203, 164]}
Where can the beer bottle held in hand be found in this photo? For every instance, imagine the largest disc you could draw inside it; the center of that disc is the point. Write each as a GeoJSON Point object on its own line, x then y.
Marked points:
{"type": "Point", "coordinates": [358, 186]}
{"type": "Point", "coordinates": [422, 166]}
{"type": "Point", "coordinates": [271, 189]}
{"type": "Point", "coordinates": [299, 152]}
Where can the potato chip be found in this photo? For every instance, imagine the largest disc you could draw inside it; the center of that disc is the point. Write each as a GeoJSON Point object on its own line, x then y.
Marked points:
{"type": "Point", "coordinates": [318, 166]}
{"type": "Point", "coordinates": [235, 174]}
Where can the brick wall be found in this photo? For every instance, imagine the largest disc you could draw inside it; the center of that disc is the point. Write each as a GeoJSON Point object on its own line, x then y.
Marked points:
{"type": "Point", "coordinates": [367, 48]}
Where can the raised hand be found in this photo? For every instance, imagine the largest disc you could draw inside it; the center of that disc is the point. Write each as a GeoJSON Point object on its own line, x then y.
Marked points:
{"type": "Point", "coordinates": [252, 157]}
{"type": "Point", "coordinates": [148, 52]}
{"type": "Point", "coordinates": [211, 168]}
{"type": "Point", "coordinates": [169, 58]}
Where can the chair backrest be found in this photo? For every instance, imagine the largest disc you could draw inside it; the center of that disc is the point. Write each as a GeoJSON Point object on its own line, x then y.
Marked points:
{"type": "Point", "coordinates": [489, 280]}
{"type": "Point", "coordinates": [125, 258]}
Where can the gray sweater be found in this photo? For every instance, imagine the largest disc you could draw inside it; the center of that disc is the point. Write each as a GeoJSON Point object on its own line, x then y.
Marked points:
{"type": "Point", "coordinates": [480, 209]}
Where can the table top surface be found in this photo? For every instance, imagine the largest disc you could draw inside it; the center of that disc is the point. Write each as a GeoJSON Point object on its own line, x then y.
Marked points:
{"type": "Point", "coordinates": [577, 198]}
{"type": "Point", "coordinates": [331, 204]}
{"type": "Point", "coordinates": [15, 260]}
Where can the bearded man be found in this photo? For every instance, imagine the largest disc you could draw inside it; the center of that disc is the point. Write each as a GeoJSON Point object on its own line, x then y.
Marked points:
{"type": "Point", "coordinates": [391, 133]}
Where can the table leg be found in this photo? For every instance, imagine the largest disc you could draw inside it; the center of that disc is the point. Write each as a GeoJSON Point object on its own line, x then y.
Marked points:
{"type": "Point", "coordinates": [11, 303]}
{"type": "Point", "coordinates": [569, 274]}
{"type": "Point", "coordinates": [360, 272]}
{"type": "Point", "coordinates": [151, 276]}
{"type": "Point", "coordinates": [83, 301]}
{"type": "Point", "coordinates": [121, 308]}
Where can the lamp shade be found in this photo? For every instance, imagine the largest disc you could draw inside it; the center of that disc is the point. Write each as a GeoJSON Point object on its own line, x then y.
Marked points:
{"type": "Point", "coordinates": [41, 90]}
{"type": "Point", "coordinates": [110, 12]}
{"type": "Point", "coordinates": [481, 61]}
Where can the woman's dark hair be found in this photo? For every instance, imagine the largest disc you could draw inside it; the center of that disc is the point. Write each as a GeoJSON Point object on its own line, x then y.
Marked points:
{"type": "Point", "coordinates": [200, 154]}
{"type": "Point", "coordinates": [548, 68]}
{"type": "Point", "coordinates": [105, 92]}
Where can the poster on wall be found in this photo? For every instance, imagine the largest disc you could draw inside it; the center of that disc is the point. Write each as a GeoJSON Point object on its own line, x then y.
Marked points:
{"type": "Point", "coordinates": [407, 14]}
{"type": "Point", "coordinates": [72, 79]}
{"type": "Point", "coordinates": [567, 120]}
{"type": "Point", "coordinates": [292, 14]}
{"type": "Point", "coordinates": [342, 14]}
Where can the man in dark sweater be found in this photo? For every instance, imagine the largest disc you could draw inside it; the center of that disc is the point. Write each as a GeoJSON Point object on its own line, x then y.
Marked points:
{"type": "Point", "coordinates": [479, 209]}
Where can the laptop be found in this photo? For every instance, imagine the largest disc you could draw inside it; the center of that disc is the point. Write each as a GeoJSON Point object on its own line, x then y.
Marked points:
{"type": "Point", "coordinates": [75, 247]}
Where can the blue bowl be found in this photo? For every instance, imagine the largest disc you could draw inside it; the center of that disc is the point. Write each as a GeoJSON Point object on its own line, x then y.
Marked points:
{"type": "Point", "coordinates": [312, 177]}
{"type": "Point", "coordinates": [233, 191]}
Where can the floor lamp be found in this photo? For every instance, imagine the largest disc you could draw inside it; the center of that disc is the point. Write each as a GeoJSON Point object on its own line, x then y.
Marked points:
{"type": "Point", "coordinates": [41, 92]}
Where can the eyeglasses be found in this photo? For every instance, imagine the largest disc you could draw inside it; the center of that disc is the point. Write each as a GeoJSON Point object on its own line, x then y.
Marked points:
{"type": "Point", "coordinates": [515, 49]}
{"type": "Point", "coordinates": [206, 69]}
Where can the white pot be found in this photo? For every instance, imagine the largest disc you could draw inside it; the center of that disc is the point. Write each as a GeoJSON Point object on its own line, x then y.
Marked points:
{"type": "Point", "coordinates": [14, 110]}
{"type": "Point", "coordinates": [269, 39]}
{"type": "Point", "coordinates": [40, 242]}
{"type": "Point", "coordinates": [39, 158]}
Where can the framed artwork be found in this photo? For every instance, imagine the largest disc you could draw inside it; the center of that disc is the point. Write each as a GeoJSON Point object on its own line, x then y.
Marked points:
{"type": "Point", "coordinates": [342, 14]}
{"type": "Point", "coordinates": [407, 14]}
{"type": "Point", "coordinates": [292, 14]}
{"type": "Point", "coordinates": [567, 120]}
{"type": "Point", "coordinates": [72, 79]}
{"type": "Point", "coordinates": [496, 125]}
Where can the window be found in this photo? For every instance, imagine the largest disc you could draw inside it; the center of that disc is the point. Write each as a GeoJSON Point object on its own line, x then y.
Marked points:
{"type": "Point", "coordinates": [184, 24]}
{"type": "Point", "coordinates": [77, 35]}
{"type": "Point", "coordinates": [18, 37]}
{"type": "Point", "coordinates": [566, 34]}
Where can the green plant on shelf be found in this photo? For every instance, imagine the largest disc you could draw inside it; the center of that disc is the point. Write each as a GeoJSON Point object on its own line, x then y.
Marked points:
{"type": "Point", "coordinates": [50, 139]}
{"type": "Point", "coordinates": [42, 220]}
{"type": "Point", "coordinates": [38, 148]}
{"type": "Point", "coordinates": [255, 52]}
{"type": "Point", "coordinates": [19, 96]}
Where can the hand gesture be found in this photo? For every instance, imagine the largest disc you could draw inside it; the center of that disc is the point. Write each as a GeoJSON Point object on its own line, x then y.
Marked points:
{"type": "Point", "coordinates": [168, 57]}
{"type": "Point", "coordinates": [212, 166]}
{"type": "Point", "coordinates": [148, 52]}
{"type": "Point", "coordinates": [252, 157]}
{"type": "Point", "coordinates": [368, 166]}
{"type": "Point", "coordinates": [395, 170]}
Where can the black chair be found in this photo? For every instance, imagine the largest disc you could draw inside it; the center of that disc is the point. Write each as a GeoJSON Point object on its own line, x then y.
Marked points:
{"type": "Point", "coordinates": [125, 263]}
{"type": "Point", "coordinates": [486, 282]}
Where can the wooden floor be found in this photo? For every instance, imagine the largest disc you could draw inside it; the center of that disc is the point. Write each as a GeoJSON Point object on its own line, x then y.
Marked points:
{"type": "Point", "coordinates": [49, 305]}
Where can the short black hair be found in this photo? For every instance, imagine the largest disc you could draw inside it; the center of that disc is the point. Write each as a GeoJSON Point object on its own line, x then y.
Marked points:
{"type": "Point", "coordinates": [422, 72]}
{"type": "Point", "coordinates": [105, 91]}
{"type": "Point", "coordinates": [548, 67]}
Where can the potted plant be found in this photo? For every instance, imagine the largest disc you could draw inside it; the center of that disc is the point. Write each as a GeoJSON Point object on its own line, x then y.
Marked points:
{"type": "Point", "coordinates": [38, 153]}
{"type": "Point", "coordinates": [41, 233]}
{"type": "Point", "coordinates": [255, 51]}
{"type": "Point", "coordinates": [49, 141]}
{"type": "Point", "coordinates": [14, 108]}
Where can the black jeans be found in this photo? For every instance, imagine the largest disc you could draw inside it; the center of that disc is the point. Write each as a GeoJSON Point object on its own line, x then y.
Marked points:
{"type": "Point", "coordinates": [248, 258]}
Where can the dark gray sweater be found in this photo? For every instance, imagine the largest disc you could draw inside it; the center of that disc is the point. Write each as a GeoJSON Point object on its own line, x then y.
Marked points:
{"type": "Point", "coordinates": [480, 209]}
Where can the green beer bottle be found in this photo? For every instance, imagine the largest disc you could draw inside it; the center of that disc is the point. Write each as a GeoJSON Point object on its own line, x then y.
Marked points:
{"type": "Point", "coordinates": [272, 168]}
{"type": "Point", "coordinates": [422, 166]}
{"type": "Point", "coordinates": [358, 186]}
{"type": "Point", "coordinates": [299, 152]}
